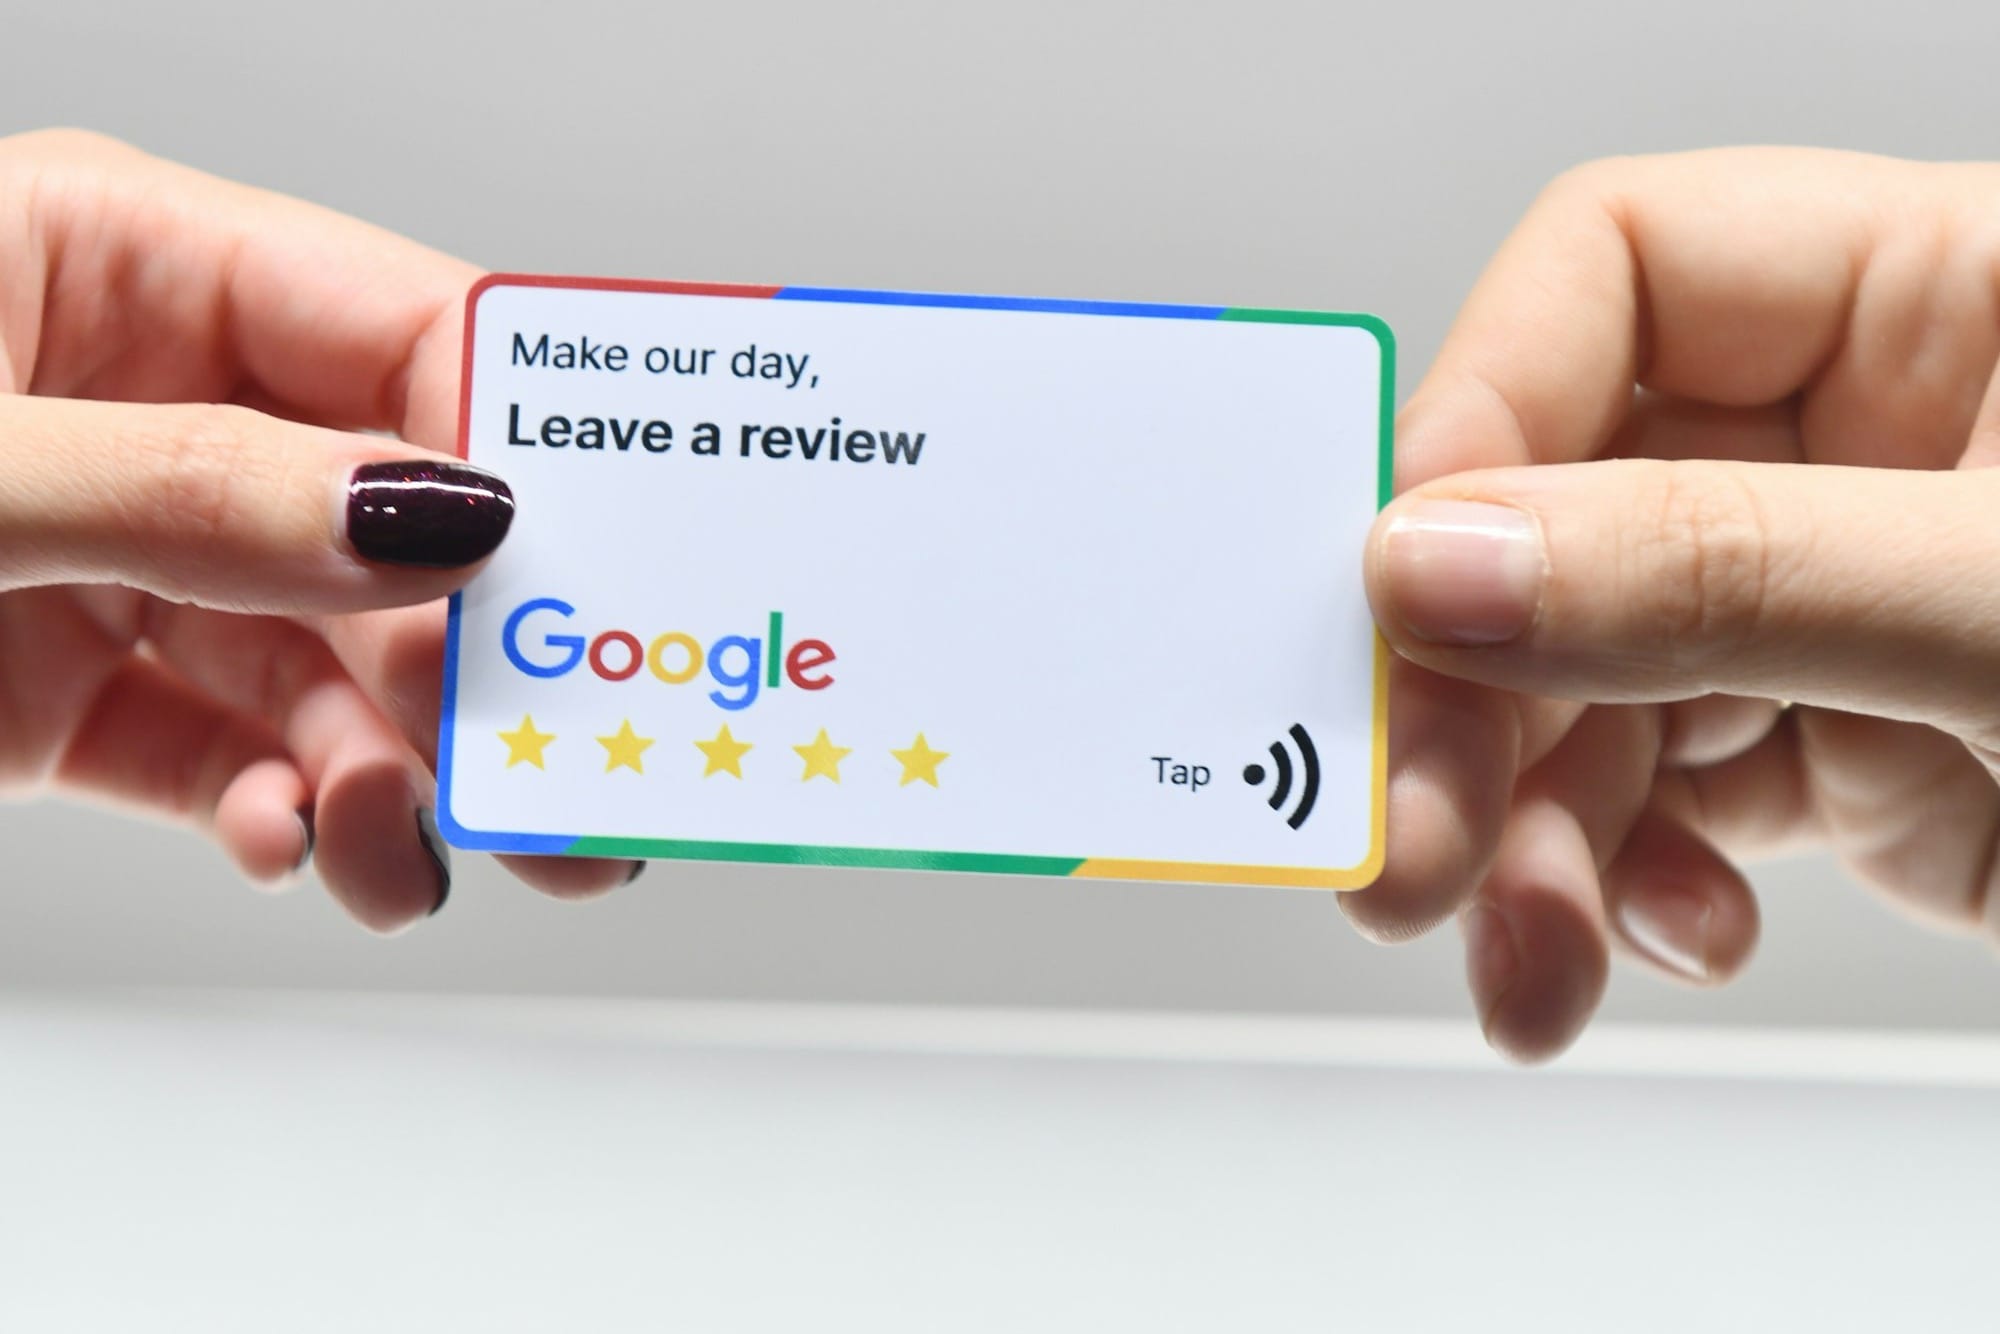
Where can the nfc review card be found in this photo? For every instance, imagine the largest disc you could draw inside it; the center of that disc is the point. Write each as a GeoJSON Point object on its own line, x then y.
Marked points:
{"type": "Point", "coordinates": [943, 582]}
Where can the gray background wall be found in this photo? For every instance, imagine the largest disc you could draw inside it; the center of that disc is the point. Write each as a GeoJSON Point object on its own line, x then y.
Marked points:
{"type": "Point", "coordinates": [1345, 156]}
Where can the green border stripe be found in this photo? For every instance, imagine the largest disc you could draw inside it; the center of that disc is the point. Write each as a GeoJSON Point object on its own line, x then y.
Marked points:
{"type": "Point", "coordinates": [1385, 337]}
{"type": "Point", "coordinates": [788, 854]}
{"type": "Point", "coordinates": [894, 858]}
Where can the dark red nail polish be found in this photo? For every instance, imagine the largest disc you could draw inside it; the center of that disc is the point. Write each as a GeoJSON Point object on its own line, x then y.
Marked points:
{"type": "Point", "coordinates": [309, 838]}
{"type": "Point", "coordinates": [440, 855]}
{"type": "Point", "coordinates": [431, 512]}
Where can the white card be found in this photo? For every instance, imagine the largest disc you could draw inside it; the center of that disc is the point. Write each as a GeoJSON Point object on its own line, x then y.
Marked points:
{"type": "Point", "coordinates": [901, 580]}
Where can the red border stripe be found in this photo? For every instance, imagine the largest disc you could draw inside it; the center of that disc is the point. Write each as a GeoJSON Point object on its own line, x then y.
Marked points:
{"type": "Point", "coordinates": [752, 290]}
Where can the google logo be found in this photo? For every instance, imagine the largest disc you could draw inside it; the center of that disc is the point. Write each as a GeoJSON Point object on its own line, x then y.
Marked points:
{"type": "Point", "coordinates": [739, 665]}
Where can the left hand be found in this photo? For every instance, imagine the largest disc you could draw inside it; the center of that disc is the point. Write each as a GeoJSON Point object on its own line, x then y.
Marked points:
{"type": "Point", "coordinates": [186, 623]}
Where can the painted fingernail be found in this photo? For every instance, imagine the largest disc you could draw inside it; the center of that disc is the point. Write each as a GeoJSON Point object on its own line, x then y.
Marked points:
{"type": "Point", "coordinates": [1668, 925]}
{"type": "Point", "coordinates": [440, 855]}
{"type": "Point", "coordinates": [1491, 960]}
{"type": "Point", "coordinates": [1463, 572]}
{"type": "Point", "coordinates": [434, 513]}
{"type": "Point", "coordinates": [307, 838]}
{"type": "Point", "coordinates": [638, 869]}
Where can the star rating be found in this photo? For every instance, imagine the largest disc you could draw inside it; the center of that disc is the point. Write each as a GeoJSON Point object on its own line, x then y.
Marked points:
{"type": "Point", "coordinates": [525, 744]}
{"type": "Point", "coordinates": [920, 762]}
{"type": "Point", "coordinates": [725, 754]}
{"type": "Point", "coordinates": [623, 748]}
{"type": "Point", "coordinates": [822, 757]}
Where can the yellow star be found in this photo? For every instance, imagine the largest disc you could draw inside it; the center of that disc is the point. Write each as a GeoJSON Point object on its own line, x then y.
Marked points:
{"type": "Point", "coordinates": [725, 754]}
{"type": "Point", "coordinates": [822, 757]}
{"type": "Point", "coordinates": [920, 761]}
{"type": "Point", "coordinates": [525, 743]}
{"type": "Point", "coordinates": [624, 748]}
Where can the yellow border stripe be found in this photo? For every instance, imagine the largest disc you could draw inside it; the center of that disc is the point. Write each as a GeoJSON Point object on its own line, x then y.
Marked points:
{"type": "Point", "coordinates": [1303, 877]}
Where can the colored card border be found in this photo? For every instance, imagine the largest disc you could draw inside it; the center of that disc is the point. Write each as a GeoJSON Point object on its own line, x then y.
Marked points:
{"type": "Point", "coordinates": [894, 858]}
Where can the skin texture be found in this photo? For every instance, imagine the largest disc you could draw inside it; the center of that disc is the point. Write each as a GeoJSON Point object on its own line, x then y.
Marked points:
{"type": "Point", "coordinates": [184, 628]}
{"type": "Point", "coordinates": [1740, 406]}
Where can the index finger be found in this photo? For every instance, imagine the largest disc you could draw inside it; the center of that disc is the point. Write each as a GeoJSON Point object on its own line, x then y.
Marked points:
{"type": "Point", "coordinates": [154, 282]}
{"type": "Point", "coordinates": [1724, 276]}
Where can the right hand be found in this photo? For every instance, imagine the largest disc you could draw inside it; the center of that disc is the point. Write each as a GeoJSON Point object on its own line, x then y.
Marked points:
{"type": "Point", "coordinates": [1714, 434]}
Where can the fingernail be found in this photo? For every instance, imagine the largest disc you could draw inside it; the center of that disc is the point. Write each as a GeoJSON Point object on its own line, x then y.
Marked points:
{"type": "Point", "coordinates": [307, 837]}
{"type": "Point", "coordinates": [1463, 572]}
{"type": "Point", "coordinates": [638, 869]}
{"type": "Point", "coordinates": [1668, 925]}
{"type": "Point", "coordinates": [430, 512]}
{"type": "Point", "coordinates": [1491, 960]}
{"type": "Point", "coordinates": [440, 855]}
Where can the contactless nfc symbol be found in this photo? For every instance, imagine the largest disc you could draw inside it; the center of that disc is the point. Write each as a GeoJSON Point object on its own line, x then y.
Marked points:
{"type": "Point", "coordinates": [1281, 763]}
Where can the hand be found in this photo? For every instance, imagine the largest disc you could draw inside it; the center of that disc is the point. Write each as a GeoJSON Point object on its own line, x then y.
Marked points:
{"type": "Point", "coordinates": [1712, 433]}
{"type": "Point", "coordinates": [192, 598]}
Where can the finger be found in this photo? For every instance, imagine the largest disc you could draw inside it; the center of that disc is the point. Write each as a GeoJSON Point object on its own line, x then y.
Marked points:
{"type": "Point", "coordinates": [1534, 935]}
{"type": "Point", "coordinates": [151, 740]}
{"type": "Point", "coordinates": [1635, 580]}
{"type": "Point", "coordinates": [1454, 753]}
{"type": "Point", "coordinates": [1545, 725]}
{"type": "Point", "coordinates": [1602, 773]}
{"type": "Point", "coordinates": [1711, 728]}
{"type": "Point", "coordinates": [1678, 903]}
{"type": "Point", "coordinates": [1983, 448]}
{"type": "Point", "coordinates": [329, 316]}
{"type": "Point", "coordinates": [227, 508]}
{"type": "Point", "coordinates": [398, 657]}
{"type": "Point", "coordinates": [572, 879]}
{"type": "Point", "coordinates": [1679, 428]}
{"type": "Point", "coordinates": [1909, 809]}
{"type": "Point", "coordinates": [1452, 756]}
{"type": "Point", "coordinates": [1724, 277]}
{"type": "Point", "coordinates": [265, 819]}
{"type": "Point", "coordinates": [378, 851]}
{"type": "Point", "coordinates": [1537, 952]}
{"type": "Point", "coordinates": [375, 797]}
{"type": "Point", "coordinates": [1756, 804]}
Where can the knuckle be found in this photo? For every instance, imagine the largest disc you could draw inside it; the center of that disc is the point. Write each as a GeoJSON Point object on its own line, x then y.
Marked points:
{"type": "Point", "coordinates": [189, 773]}
{"type": "Point", "coordinates": [201, 462]}
{"type": "Point", "coordinates": [196, 488]}
{"type": "Point", "coordinates": [279, 681]}
{"type": "Point", "coordinates": [63, 144]}
{"type": "Point", "coordinates": [1592, 182]}
{"type": "Point", "coordinates": [1705, 558]}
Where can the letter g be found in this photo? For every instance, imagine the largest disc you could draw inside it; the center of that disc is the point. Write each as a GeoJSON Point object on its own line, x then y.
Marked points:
{"type": "Point", "coordinates": [571, 644]}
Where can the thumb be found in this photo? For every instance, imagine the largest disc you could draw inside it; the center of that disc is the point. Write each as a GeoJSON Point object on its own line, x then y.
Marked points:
{"type": "Point", "coordinates": [1871, 590]}
{"type": "Point", "coordinates": [231, 509]}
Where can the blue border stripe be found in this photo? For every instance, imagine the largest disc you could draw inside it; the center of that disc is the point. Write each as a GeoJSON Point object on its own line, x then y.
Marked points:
{"type": "Point", "coordinates": [550, 844]}
{"type": "Point", "coordinates": [455, 833]}
{"type": "Point", "coordinates": [448, 705]}
{"type": "Point", "coordinates": [862, 297]}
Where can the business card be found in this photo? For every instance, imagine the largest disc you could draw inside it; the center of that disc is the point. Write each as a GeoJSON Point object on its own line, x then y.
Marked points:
{"type": "Point", "coordinates": [887, 579]}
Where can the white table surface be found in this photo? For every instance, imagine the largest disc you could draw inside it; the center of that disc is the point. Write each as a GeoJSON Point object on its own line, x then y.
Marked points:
{"type": "Point", "coordinates": [250, 1161]}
